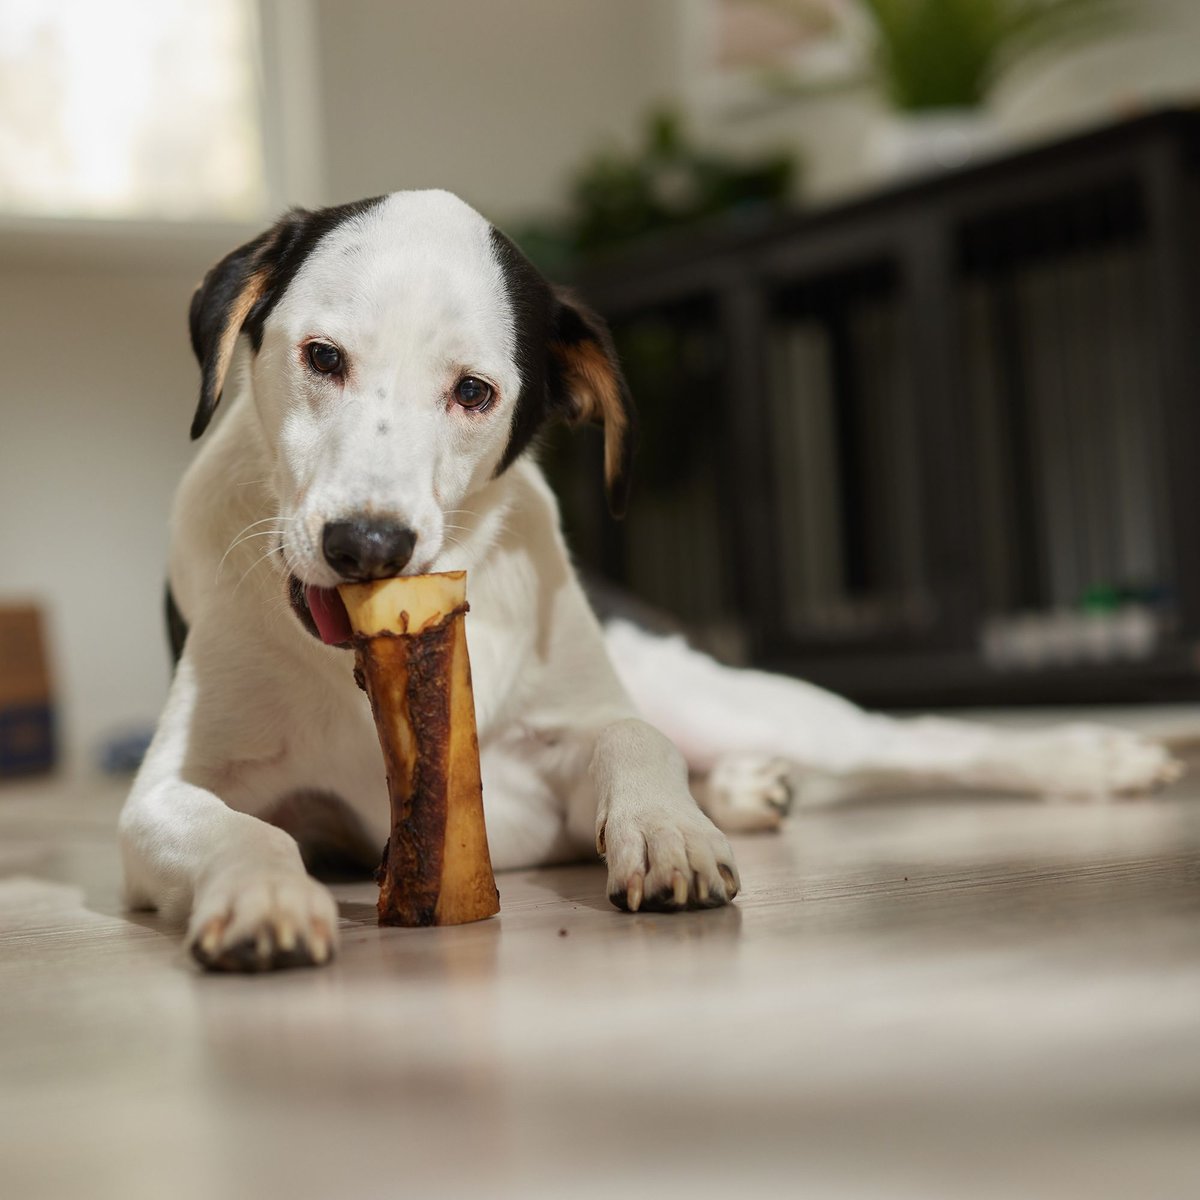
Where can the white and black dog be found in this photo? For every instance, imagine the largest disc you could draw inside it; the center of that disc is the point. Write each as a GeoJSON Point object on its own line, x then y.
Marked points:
{"type": "Point", "coordinates": [387, 366]}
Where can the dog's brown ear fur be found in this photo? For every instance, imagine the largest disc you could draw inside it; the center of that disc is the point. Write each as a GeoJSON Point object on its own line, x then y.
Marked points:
{"type": "Point", "coordinates": [220, 306]}
{"type": "Point", "coordinates": [591, 387]}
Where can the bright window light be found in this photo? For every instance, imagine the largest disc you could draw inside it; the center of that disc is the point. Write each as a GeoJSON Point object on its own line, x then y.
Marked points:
{"type": "Point", "coordinates": [130, 108]}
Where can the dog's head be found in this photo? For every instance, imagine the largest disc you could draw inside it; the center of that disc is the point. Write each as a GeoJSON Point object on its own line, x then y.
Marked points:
{"type": "Point", "coordinates": [404, 353]}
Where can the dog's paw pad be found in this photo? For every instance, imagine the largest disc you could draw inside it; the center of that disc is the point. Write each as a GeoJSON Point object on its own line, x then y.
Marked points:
{"type": "Point", "coordinates": [750, 793]}
{"type": "Point", "coordinates": [263, 922]}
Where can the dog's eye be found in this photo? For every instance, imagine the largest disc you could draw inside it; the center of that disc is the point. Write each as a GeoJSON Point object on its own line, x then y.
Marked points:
{"type": "Point", "coordinates": [324, 358]}
{"type": "Point", "coordinates": [473, 393]}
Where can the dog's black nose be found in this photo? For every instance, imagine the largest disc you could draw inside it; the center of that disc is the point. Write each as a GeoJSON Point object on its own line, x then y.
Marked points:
{"type": "Point", "coordinates": [367, 547]}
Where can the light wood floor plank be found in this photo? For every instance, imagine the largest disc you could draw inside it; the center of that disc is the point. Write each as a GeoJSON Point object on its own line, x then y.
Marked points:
{"type": "Point", "coordinates": [918, 998]}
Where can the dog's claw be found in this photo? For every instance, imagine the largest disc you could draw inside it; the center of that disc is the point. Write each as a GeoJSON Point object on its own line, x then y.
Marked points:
{"type": "Point", "coordinates": [633, 894]}
{"type": "Point", "coordinates": [263, 923]}
{"type": "Point", "coordinates": [319, 945]}
{"type": "Point", "coordinates": [679, 889]}
{"type": "Point", "coordinates": [210, 939]}
{"type": "Point", "coordinates": [730, 880]}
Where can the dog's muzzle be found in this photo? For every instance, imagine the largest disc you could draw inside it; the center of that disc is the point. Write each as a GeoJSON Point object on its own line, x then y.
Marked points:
{"type": "Point", "coordinates": [360, 548]}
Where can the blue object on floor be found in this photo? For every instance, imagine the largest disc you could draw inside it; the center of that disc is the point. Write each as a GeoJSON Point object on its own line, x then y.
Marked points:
{"type": "Point", "coordinates": [26, 739]}
{"type": "Point", "coordinates": [123, 753]}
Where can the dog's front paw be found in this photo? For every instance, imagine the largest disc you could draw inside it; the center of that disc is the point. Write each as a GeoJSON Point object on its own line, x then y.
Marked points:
{"type": "Point", "coordinates": [749, 793]}
{"type": "Point", "coordinates": [248, 920]}
{"type": "Point", "coordinates": [1086, 761]}
{"type": "Point", "coordinates": [667, 859]}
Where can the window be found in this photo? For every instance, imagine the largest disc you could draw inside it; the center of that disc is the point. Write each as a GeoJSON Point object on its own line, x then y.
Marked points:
{"type": "Point", "coordinates": [136, 109]}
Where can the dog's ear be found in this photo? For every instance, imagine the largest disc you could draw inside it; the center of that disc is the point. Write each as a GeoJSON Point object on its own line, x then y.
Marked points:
{"type": "Point", "coordinates": [241, 290]}
{"type": "Point", "coordinates": [223, 302]}
{"type": "Point", "coordinates": [570, 370]}
{"type": "Point", "coordinates": [586, 384]}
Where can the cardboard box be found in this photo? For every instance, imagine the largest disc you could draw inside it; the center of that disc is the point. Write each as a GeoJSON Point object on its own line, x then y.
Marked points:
{"type": "Point", "coordinates": [27, 719]}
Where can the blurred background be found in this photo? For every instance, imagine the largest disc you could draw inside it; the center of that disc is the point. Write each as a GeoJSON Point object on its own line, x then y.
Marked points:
{"type": "Point", "coordinates": [906, 290]}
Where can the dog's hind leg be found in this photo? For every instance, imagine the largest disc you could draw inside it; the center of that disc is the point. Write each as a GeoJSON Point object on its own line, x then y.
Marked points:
{"type": "Point", "coordinates": [740, 728]}
{"type": "Point", "coordinates": [711, 711]}
{"type": "Point", "coordinates": [747, 793]}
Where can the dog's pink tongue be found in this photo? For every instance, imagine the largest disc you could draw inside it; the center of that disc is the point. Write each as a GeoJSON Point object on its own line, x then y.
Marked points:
{"type": "Point", "coordinates": [329, 613]}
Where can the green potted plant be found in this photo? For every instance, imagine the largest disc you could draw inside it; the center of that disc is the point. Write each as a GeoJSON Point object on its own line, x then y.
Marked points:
{"type": "Point", "coordinates": [937, 61]}
{"type": "Point", "coordinates": [666, 182]}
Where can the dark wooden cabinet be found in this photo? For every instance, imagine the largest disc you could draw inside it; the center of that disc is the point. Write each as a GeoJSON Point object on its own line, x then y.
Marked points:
{"type": "Point", "coordinates": [937, 445]}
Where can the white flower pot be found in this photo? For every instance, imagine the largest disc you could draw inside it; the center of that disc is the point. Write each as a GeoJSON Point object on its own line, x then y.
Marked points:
{"type": "Point", "coordinates": [928, 141]}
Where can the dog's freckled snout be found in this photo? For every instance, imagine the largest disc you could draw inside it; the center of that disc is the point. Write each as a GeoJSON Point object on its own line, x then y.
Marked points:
{"type": "Point", "coordinates": [363, 548]}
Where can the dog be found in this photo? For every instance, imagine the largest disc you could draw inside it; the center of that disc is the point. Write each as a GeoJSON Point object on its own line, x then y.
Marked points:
{"type": "Point", "coordinates": [383, 370]}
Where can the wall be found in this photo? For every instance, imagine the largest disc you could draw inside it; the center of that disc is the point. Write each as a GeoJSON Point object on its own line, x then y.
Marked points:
{"type": "Point", "coordinates": [98, 389]}
{"type": "Point", "coordinates": [500, 101]}
{"type": "Point", "coordinates": [1153, 59]}
{"type": "Point", "coordinates": [494, 101]}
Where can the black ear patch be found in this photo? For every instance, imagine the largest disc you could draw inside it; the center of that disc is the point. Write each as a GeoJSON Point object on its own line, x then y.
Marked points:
{"type": "Point", "coordinates": [569, 370]}
{"type": "Point", "coordinates": [241, 290]}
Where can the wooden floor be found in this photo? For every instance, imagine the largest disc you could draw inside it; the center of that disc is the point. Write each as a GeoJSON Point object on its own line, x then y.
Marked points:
{"type": "Point", "coordinates": [960, 998]}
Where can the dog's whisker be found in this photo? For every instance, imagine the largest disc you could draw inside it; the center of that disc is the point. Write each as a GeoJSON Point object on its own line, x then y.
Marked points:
{"type": "Point", "coordinates": [275, 521]}
{"type": "Point", "coordinates": [266, 520]}
{"type": "Point", "coordinates": [261, 559]}
{"type": "Point", "coordinates": [260, 533]}
{"type": "Point", "coordinates": [292, 561]}
{"type": "Point", "coordinates": [245, 537]}
{"type": "Point", "coordinates": [278, 609]}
